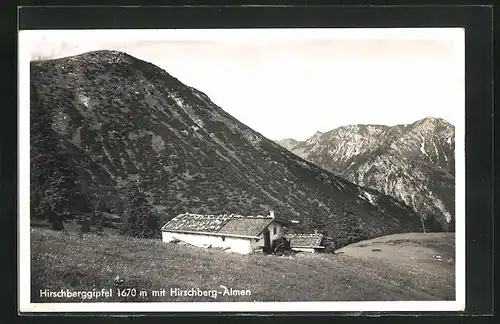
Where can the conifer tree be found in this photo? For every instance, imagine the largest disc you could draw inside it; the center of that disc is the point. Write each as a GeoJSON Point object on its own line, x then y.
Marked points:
{"type": "Point", "coordinates": [431, 224]}
{"type": "Point", "coordinates": [350, 229]}
{"type": "Point", "coordinates": [140, 218]}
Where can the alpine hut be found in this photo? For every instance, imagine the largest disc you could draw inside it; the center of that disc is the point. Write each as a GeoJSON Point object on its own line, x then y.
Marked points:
{"type": "Point", "coordinates": [232, 233]}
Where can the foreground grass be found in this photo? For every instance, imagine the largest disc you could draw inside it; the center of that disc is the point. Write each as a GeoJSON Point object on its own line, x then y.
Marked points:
{"type": "Point", "coordinates": [86, 262]}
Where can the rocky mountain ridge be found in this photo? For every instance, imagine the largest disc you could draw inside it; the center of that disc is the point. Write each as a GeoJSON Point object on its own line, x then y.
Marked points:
{"type": "Point", "coordinates": [414, 163]}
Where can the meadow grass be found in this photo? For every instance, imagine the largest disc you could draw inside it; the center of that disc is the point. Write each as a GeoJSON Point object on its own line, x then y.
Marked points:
{"type": "Point", "coordinates": [83, 262]}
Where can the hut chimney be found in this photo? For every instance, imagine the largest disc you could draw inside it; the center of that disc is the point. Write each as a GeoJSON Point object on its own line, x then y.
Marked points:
{"type": "Point", "coordinates": [315, 231]}
{"type": "Point", "coordinates": [271, 213]}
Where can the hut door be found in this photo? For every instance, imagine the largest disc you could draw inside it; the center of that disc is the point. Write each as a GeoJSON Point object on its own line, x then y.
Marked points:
{"type": "Point", "coordinates": [267, 241]}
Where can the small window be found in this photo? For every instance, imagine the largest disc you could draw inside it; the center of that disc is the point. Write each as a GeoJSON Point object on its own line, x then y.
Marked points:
{"type": "Point", "coordinates": [274, 230]}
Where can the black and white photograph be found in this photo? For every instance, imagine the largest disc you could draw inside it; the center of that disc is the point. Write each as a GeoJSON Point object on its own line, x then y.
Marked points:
{"type": "Point", "coordinates": [242, 170]}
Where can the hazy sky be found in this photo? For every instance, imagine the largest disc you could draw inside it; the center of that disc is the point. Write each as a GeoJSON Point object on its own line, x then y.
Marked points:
{"type": "Point", "coordinates": [296, 82]}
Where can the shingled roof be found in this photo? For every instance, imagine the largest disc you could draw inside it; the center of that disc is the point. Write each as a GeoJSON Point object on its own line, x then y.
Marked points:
{"type": "Point", "coordinates": [305, 240]}
{"type": "Point", "coordinates": [230, 225]}
{"type": "Point", "coordinates": [246, 226]}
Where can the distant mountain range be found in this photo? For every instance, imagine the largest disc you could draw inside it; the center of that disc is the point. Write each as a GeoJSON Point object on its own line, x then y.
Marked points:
{"type": "Point", "coordinates": [414, 163]}
{"type": "Point", "coordinates": [116, 119]}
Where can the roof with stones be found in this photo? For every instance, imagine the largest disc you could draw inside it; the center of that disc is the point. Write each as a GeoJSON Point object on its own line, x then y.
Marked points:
{"type": "Point", "coordinates": [232, 224]}
{"type": "Point", "coordinates": [304, 240]}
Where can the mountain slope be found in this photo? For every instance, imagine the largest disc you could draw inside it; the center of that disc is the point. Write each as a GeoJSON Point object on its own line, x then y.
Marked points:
{"type": "Point", "coordinates": [414, 163]}
{"type": "Point", "coordinates": [117, 119]}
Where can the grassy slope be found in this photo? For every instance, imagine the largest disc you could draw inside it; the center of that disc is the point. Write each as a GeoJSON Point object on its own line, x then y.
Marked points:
{"type": "Point", "coordinates": [84, 262]}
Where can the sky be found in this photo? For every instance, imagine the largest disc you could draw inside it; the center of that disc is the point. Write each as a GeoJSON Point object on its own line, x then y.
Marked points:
{"type": "Point", "coordinates": [293, 83]}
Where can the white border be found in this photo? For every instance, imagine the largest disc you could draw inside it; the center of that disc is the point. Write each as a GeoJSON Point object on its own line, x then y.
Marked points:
{"type": "Point", "coordinates": [247, 36]}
